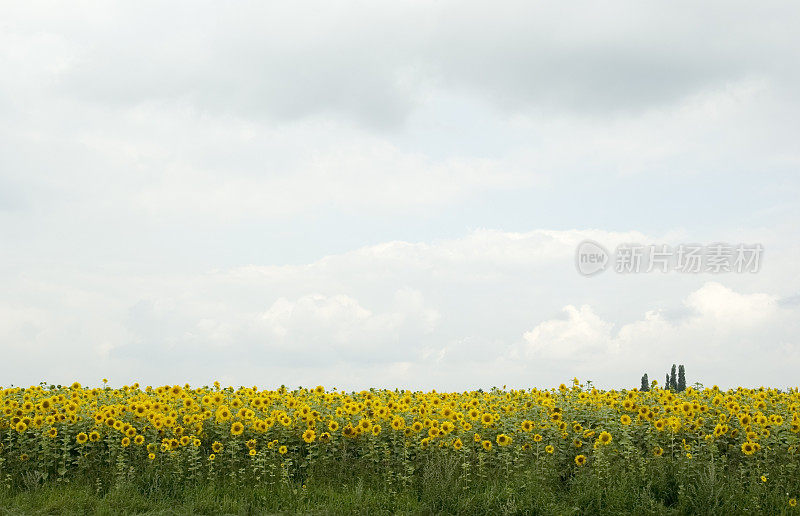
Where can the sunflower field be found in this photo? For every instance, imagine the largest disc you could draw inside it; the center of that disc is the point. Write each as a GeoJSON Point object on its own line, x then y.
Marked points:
{"type": "Point", "coordinates": [567, 449]}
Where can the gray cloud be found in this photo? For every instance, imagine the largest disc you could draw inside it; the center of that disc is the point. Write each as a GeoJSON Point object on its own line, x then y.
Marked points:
{"type": "Point", "coordinates": [375, 63]}
{"type": "Point", "coordinates": [295, 192]}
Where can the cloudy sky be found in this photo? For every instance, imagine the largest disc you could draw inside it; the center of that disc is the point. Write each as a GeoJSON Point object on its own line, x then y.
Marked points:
{"type": "Point", "coordinates": [391, 193]}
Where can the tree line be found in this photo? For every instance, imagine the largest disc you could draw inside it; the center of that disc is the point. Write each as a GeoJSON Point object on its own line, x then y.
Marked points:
{"type": "Point", "coordinates": [674, 382]}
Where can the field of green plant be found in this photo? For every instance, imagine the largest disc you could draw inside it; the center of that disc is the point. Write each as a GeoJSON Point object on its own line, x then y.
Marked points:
{"type": "Point", "coordinates": [566, 450]}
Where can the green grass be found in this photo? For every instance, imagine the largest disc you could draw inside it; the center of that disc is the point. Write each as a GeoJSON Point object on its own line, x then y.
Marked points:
{"type": "Point", "coordinates": [658, 491]}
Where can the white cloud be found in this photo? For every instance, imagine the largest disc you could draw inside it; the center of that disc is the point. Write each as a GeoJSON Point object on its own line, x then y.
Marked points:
{"type": "Point", "coordinates": [362, 172]}
{"type": "Point", "coordinates": [580, 337]}
{"type": "Point", "coordinates": [727, 309]}
{"type": "Point", "coordinates": [320, 324]}
{"type": "Point", "coordinates": [453, 313]}
{"type": "Point", "coordinates": [281, 193]}
{"type": "Point", "coordinates": [721, 329]}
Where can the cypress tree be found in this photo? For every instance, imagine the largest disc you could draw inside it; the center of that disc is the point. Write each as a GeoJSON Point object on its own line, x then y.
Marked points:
{"type": "Point", "coordinates": [645, 383]}
{"type": "Point", "coordinates": [681, 378]}
{"type": "Point", "coordinates": [666, 381]}
{"type": "Point", "coordinates": [673, 379]}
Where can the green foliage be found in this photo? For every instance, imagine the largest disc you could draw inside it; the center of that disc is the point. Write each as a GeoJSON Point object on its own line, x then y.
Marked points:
{"type": "Point", "coordinates": [673, 382]}
{"type": "Point", "coordinates": [648, 487]}
{"type": "Point", "coordinates": [681, 378]}
{"type": "Point", "coordinates": [570, 450]}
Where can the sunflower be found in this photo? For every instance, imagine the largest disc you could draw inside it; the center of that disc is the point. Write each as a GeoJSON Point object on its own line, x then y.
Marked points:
{"type": "Point", "coordinates": [457, 444]}
{"type": "Point", "coordinates": [537, 437]}
{"type": "Point", "coordinates": [580, 460]}
{"type": "Point", "coordinates": [658, 451]}
{"type": "Point", "coordinates": [604, 438]}
{"type": "Point", "coordinates": [223, 413]}
{"type": "Point", "coordinates": [309, 436]}
{"type": "Point", "coordinates": [237, 428]}
{"type": "Point", "coordinates": [625, 419]}
{"type": "Point", "coordinates": [487, 445]}
{"type": "Point", "coordinates": [81, 438]}
{"type": "Point", "coordinates": [216, 447]}
{"type": "Point", "coordinates": [549, 448]}
{"type": "Point", "coordinates": [503, 440]}
{"type": "Point", "coordinates": [748, 448]}
{"type": "Point", "coordinates": [282, 450]}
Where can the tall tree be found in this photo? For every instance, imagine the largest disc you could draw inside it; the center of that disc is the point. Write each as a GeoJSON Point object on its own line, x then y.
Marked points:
{"type": "Point", "coordinates": [666, 381]}
{"type": "Point", "coordinates": [681, 378]}
{"type": "Point", "coordinates": [645, 383]}
{"type": "Point", "coordinates": [673, 379]}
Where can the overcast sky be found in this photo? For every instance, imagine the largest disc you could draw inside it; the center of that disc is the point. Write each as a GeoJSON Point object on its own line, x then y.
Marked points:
{"type": "Point", "coordinates": [391, 193]}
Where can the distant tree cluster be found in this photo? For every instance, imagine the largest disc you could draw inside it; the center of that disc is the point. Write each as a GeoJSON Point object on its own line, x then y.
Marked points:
{"type": "Point", "coordinates": [645, 383]}
{"type": "Point", "coordinates": [675, 380]}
